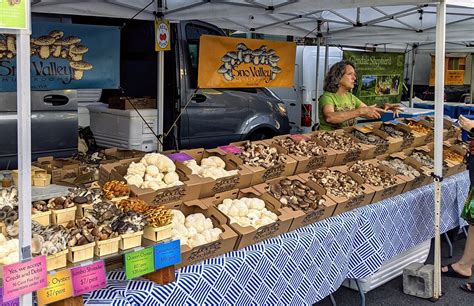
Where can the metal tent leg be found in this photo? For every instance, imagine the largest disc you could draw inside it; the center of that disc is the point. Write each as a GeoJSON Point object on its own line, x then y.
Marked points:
{"type": "Point", "coordinates": [450, 245]}
{"type": "Point", "coordinates": [333, 301]}
{"type": "Point", "coordinates": [361, 293]}
{"type": "Point", "coordinates": [464, 230]}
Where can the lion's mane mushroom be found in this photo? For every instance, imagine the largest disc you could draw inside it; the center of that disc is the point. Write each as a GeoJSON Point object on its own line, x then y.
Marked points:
{"type": "Point", "coordinates": [44, 42]}
{"type": "Point", "coordinates": [77, 52]}
{"type": "Point", "coordinates": [79, 68]}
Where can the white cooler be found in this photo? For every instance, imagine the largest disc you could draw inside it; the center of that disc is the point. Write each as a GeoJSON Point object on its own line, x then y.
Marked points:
{"type": "Point", "coordinates": [392, 268]}
{"type": "Point", "coordinates": [123, 128]}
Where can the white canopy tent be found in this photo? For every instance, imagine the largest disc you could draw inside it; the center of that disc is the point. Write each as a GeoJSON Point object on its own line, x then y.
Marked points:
{"type": "Point", "coordinates": [341, 21]}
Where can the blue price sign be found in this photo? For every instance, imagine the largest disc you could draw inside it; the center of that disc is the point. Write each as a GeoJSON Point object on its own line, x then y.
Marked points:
{"type": "Point", "coordinates": [167, 254]}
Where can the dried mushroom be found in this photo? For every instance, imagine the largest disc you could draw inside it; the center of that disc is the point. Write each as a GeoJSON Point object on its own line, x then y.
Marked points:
{"type": "Point", "coordinates": [373, 175]}
{"type": "Point", "coordinates": [336, 183]}
{"type": "Point", "coordinates": [453, 156]}
{"type": "Point", "coordinates": [39, 206]}
{"type": "Point", "coordinates": [307, 148]}
{"type": "Point", "coordinates": [418, 127]}
{"type": "Point", "coordinates": [133, 204]}
{"type": "Point", "coordinates": [60, 203]}
{"type": "Point", "coordinates": [261, 155]}
{"type": "Point", "coordinates": [82, 195]}
{"type": "Point", "coordinates": [129, 222]}
{"type": "Point", "coordinates": [370, 138]}
{"type": "Point", "coordinates": [401, 168]}
{"type": "Point", "coordinates": [48, 240]}
{"type": "Point", "coordinates": [295, 194]}
{"type": "Point", "coordinates": [103, 213]}
{"type": "Point", "coordinates": [408, 137]}
{"type": "Point", "coordinates": [337, 141]}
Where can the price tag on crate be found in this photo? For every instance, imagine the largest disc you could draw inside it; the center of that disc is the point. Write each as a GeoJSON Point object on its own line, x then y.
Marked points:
{"type": "Point", "coordinates": [88, 278]}
{"type": "Point", "coordinates": [167, 254]}
{"type": "Point", "coordinates": [230, 149]}
{"type": "Point", "coordinates": [139, 263]}
{"type": "Point", "coordinates": [180, 157]}
{"type": "Point", "coordinates": [59, 288]}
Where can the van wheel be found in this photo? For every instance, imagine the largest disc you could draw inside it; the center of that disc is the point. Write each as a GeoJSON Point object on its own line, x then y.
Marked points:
{"type": "Point", "coordinates": [260, 135]}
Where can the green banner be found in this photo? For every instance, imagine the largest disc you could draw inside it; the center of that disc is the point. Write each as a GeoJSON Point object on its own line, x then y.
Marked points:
{"type": "Point", "coordinates": [139, 263]}
{"type": "Point", "coordinates": [13, 14]}
{"type": "Point", "coordinates": [379, 76]}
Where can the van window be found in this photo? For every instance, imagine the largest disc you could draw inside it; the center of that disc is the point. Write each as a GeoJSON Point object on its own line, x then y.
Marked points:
{"type": "Point", "coordinates": [193, 32]}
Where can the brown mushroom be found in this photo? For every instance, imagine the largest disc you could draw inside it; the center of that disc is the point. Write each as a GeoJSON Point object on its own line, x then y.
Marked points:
{"type": "Point", "coordinates": [3, 48]}
{"type": "Point", "coordinates": [69, 42]}
{"type": "Point", "coordinates": [57, 48]}
{"type": "Point", "coordinates": [56, 34]}
{"type": "Point", "coordinates": [44, 42]}
{"type": "Point", "coordinates": [76, 52]}
{"type": "Point", "coordinates": [11, 43]}
{"type": "Point", "coordinates": [79, 68]}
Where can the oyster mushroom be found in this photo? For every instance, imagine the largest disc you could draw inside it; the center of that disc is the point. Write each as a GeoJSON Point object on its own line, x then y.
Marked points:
{"type": "Point", "coordinates": [44, 42]}
{"type": "Point", "coordinates": [79, 68]}
{"type": "Point", "coordinates": [77, 52]}
{"type": "Point", "coordinates": [36, 244]}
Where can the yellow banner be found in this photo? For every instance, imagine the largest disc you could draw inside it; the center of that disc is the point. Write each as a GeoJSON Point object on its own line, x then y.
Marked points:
{"type": "Point", "coordinates": [162, 35]}
{"type": "Point", "coordinates": [226, 62]}
{"type": "Point", "coordinates": [454, 68]}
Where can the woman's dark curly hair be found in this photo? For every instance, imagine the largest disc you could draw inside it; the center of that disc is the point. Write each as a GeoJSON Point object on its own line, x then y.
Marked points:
{"type": "Point", "coordinates": [335, 74]}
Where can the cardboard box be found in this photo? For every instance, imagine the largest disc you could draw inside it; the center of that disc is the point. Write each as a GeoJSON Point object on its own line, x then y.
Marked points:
{"type": "Point", "coordinates": [306, 163]}
{"type": "Point", "coordinates": [35, 171]}
{"type": "Point", "coordinates": [343, 157]}
{"type": "Point", "coordinates": [225, 244]}
{"type": "Point", "coordinates": [411, 183]}
{"type": "Point", "coordinates": [210, 186]}
{"type": "Point", "coordinates": [428, 137]}
{"type": "Point", "coordinates": [456, 166]}
{"type": "Point", "coordinates": [426, 150]}
{"type": "Point", "coordinates": [452, 131]}
{"type": "Point", "coordinates": [189, 191]}
{"type": "Point", "coordinates": [391, 145]}
{"type": "Point", "coordinates": [405, 142]}
{"type": "Point", "coordinates": [65, 171]}
{"type": "Point", "coordinates": [126, 102]}
{"type": "Point", "coordinates": [116, 154]}
{"type": "Point", "coordinates": [260, 174]}
{"type": "Point", "coordinates": [382, 193]}
{"type": "Point", "coordinates": [250, 235]}
{"type": "Point", "coordinates": [343, 203]}
{"type": "Point", "coordinates": [301, 217]}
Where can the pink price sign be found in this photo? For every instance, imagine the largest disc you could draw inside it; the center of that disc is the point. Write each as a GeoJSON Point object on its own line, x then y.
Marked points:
{"type": "Point", "coordinates": [24, 277]}
{"type": "Point", "coordinates": [88, 278]}
{"type": "Point", "coordinates": [230, 149]}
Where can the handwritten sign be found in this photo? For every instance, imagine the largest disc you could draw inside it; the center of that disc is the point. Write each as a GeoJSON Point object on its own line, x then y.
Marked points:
{"type": "Point", "coordinates": [139, 263]}
{"type": "Point", "coordinates": [167, 254]}
{"type": "Point", "coordinates": [24, 277]}
{"type": "Point", "coordinates": [394, 122]}
{"type": "Point", "coordinates": [15, 302]}
{"type": "Point", "coordinates": [299, 137]}
{"type": "Point", "coordinates": [230, 149]}
{"type": "Point", "coordinates": [88, 278]}
{"type": "Point", "coordinates": [59, 288]}
{"type": "Point", "coordinates": [180, 157]}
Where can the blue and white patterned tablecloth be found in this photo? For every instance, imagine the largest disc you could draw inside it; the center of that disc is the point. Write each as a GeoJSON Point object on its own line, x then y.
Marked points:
{"type": "Point", "coordinates": [303, 266]}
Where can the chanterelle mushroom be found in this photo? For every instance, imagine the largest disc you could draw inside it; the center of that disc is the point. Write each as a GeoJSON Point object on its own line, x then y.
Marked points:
{"type": "Point", "coordinates": [77, 52]}
{"type": "Point", "coordinates": [79, 68]}
{"type": "Point", "coordinates": [44, 42]}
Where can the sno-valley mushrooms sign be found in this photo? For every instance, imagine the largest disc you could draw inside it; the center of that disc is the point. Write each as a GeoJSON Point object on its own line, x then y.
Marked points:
{"type": "Point", "coordinates": [65, 56]}
{"type": "Point", "coordinates": [236, 62]}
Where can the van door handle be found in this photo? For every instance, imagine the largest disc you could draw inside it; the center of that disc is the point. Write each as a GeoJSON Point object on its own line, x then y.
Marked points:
{"type": "Point", "coordinates": [198, 98]}
{"type": "Point", "coordinates": [56, 100]}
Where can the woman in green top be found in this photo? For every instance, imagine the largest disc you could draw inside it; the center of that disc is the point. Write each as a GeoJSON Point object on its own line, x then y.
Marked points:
{"type": "Point", "coordinates": [338, 108]}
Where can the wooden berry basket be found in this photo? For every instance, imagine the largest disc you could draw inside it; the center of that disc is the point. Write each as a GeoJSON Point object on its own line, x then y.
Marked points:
{"type": "Point", "coordinates": [81, 252]}
{"type": "Point", "coordinates": [57, 261]}
{"type": "Point", "coordinates": [130, 241]}
{"type": "Point", "coordinates": [63, 216]}
{"type": "Point", "coordinates": [43, 218]}
{"type": "Point", "coordinates": [158, 233]}
{"type": "Point", "coordinates": [107, 247]}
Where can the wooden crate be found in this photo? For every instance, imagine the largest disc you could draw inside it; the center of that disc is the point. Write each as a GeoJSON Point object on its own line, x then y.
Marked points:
{"type": "Point", "coordinates": [57, 261]}
{"type": "Point", "coordinates": [63, 216]}
{"type": "Point", "coordinates": [158, 233]}
{"type": "Point", "coordinates": [43, 218]}
{"type": "Point", "coordinates": [107, 247]}
{"type": "Point", "coordinates": [130, 241]}
{"type": "Point", "coordinates": [81, 252]}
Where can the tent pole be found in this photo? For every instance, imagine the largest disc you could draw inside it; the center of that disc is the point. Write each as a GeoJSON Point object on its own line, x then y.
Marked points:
{"type": "Point", "coordinates": [412, 79]}
{"type": "Point", "coordinates": [326, 57]}
{"type": "Point", "coordinates": [315, 115]}
{"type": "Point", "coordinates": [438, 138]}
{"type": "Point", "coordinates": [161, 85]}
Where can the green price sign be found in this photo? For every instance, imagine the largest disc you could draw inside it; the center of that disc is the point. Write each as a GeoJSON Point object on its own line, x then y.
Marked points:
{"type": "Point", "coordinates": [139, 263]}
{"type": "Point", "coordinates": [13, 14]}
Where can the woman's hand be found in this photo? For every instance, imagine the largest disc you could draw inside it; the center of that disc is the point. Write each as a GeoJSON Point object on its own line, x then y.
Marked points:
{"type": "Point", "coordinates": [370, 112]}
{"type": "Point", "coordinates": [395, 108]}
{"type": "Point", "coordinates": [465, 123]}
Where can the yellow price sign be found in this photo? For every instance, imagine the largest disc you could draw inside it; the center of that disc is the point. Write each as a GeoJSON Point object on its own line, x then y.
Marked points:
{"type": "Point", "coordinates": [59, 288]}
